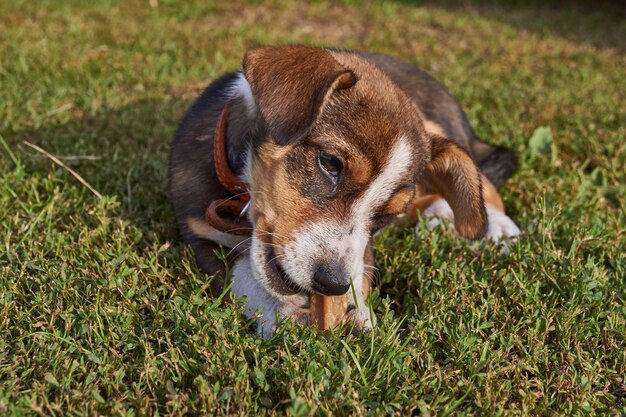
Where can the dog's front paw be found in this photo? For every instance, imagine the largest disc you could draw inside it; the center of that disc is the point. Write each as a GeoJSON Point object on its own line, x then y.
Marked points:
{"type": "Point", "coordinates": [361, 318]}
{"type": "Point", "coordinates": [436, 213]}
{"type": "Point", "coordinates": [272, 320]}
{"type": "Point", "coordinates": [501, 229]}
{"type": "Point", "coordinates": [301, 317]}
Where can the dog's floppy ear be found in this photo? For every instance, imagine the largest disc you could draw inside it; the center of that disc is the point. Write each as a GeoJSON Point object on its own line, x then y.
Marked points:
{"type": "Point", "coordinates": [290, 85]}
{"type": "Point", "coordinates": [453, 175]}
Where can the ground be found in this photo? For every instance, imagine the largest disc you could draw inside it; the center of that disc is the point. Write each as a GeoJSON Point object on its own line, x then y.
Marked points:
{"type": "Point", "coordinates": [103, 311]}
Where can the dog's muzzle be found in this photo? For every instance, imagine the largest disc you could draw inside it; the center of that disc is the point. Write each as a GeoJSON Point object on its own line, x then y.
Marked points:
{"type": "Point", "coordinates": [278, 278]}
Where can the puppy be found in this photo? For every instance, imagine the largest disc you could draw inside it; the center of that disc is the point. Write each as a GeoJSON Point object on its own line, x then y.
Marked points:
{"type": "Point", "coordinates": [296, 161]}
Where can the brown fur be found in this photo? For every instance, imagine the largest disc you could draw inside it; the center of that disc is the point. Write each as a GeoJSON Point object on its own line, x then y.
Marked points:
{"type": "Point", "coordinates": [422, 199]}
{"type": "Point", "coordinates": [399, 201]}
{"type": "Point", "coordinates": [290, 86]}
{"type": "Point", "coordinates": [453, 175]}
{"type": "Point", "coordinates": [491, 195]}
{"type": "Point", "coordinates": [279, 207]}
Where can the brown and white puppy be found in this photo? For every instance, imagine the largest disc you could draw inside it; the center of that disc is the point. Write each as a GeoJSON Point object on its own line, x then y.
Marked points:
{"type": "Point", "coordinates": [333, 145]}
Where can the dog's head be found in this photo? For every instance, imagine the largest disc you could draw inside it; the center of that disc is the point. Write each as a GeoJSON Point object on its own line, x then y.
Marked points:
{"type": "Point", "coordinates": [343, 151]}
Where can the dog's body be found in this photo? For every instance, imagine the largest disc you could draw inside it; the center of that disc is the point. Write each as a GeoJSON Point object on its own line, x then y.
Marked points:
{"type": "Point", "coordinates": [332, 145]}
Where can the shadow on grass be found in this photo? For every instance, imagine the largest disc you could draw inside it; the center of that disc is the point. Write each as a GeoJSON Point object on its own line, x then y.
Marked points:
{"type": "Point", "coordinates": [121, 152]}
{"type": "Point", "coordinates": [601, 23]}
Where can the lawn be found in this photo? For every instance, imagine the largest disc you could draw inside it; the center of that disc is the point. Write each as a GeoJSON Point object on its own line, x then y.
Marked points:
{"type": "Point", "coordinates": [103, 311]}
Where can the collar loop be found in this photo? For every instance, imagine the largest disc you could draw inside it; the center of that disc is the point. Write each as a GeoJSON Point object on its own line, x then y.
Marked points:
{"type": "Point", "coordinates": [228, 215]}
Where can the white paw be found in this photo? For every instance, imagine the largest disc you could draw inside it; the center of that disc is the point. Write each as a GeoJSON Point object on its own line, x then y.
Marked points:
{"type": "Point", "coordinates": [501, 229]}
{"type": "Point", "coordinates": [363, 319]}
{"type": "Point", "coordinates": [437, 211]}
{"type": "Point", "coordinates": [500, 226]}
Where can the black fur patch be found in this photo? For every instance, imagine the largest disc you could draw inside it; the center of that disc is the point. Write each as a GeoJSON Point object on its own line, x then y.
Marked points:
{"type": "Point", "coordinates": [499, 165]}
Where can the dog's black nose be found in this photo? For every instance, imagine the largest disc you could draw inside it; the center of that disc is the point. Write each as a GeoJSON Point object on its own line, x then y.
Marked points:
{"type": "Point", "coordinates": [328, 282]}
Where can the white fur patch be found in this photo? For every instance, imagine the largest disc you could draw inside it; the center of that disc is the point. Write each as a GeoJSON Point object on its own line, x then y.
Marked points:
{"type": "Point", "coordinates": [241, 88]}
{"type": "Point", "coordinates": [438, 211]}
{"type": "Point", "coordinates": [501, 227]}
{"type": "Point", "coordinates": [377, 195]}
{"type": "Point", "coordinates": [381, 189]}
{"type": "Point", "coordinates": [257, 299]}
{"type": "Point", "coordinates": [203, 138]}
{"type": "Point", "coordinates": [258, 302]}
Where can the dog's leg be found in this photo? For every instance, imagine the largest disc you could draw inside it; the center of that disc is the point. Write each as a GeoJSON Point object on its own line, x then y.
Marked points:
{"type": "Point", "coordinates": [500, 228]}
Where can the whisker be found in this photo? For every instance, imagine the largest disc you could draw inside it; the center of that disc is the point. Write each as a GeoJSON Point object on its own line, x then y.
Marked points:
{"type": "Point", "coordinates": [246, 240]}
{"type": "Point", "coordinates": [274, 258]}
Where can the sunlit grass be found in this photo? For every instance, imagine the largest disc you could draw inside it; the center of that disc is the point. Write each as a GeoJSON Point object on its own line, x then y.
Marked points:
{"type": "Point", "coordinates": [102, 310]}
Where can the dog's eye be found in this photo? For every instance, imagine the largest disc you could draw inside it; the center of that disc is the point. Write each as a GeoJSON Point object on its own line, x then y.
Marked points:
{"type": "Point", "coordinates": [330, 165]}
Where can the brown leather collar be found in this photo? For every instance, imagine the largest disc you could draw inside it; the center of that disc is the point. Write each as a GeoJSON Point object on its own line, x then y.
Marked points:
{"type": "Point", "coordinates": [227, 215]}
{"type": "Point", "coordinates": [226, 176]}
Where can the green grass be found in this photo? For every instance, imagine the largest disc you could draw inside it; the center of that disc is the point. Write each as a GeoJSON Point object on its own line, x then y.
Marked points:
{"type": "Point", "coordinates": [102, 310]}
